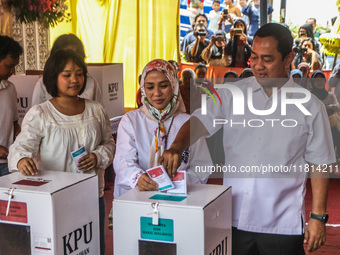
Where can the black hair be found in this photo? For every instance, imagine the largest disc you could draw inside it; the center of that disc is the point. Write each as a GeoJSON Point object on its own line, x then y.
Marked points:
{"type": "Point", "coordinates": [8, 46]}
{"type": "Point", "coordinates": [244, 24]}
{"type": "Point", "coordinates": [66, 40]}
{"type": "Point", "coordinates": [201, 65]}
{"type": "Point", "coordinates": [55, 64]}
{"type": "Point", "coordinates": [247, 72]}
{"type": "Point", "coordinates": [200, 25]}
{"type": "Point", "coordinates": [174, 64]}
{"type": "Point", "coordinates": [309, 30]}
{"type": "Point", "coordinates": [216, 1]}
{"type": "Point", "coordinates": [233, 73]}
{"type": "Point", "coordinates": [201, 14]}
{"type": "Point", "coordinates": [220, 32]}
{"type": "Point", "coordinates": [284, 24]}
{"type": "Point", "coordinates": [310, 40]}
{"type": "Point", "coordinates": [281, 34]}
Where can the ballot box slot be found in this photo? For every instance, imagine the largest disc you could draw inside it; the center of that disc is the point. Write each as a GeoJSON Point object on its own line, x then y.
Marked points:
{"type": "Point", "coordinates": [36, 182]}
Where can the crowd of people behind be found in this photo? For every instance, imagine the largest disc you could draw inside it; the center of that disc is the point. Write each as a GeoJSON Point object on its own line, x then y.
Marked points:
{"type": "Point", "coordinates": [224, 38]}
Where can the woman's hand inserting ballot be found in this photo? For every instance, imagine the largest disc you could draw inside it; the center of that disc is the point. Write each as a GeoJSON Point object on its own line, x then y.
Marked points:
{"type": "Point", "coordinates": [27, 166]}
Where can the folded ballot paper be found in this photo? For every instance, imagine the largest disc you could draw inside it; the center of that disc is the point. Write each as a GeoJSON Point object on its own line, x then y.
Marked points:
{"type": "Point", "coordinates": [180, 182]}
{"type": "Point", "coordinates": [78, 154]}
{"type": "Point", "coordinates": [177, 185]}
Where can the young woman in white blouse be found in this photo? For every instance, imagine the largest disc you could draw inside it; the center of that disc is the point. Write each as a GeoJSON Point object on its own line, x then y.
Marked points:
{"type": "Point", "coordinates": [144, 134]}
{"type": "Point", "coordinates": [55, 128]}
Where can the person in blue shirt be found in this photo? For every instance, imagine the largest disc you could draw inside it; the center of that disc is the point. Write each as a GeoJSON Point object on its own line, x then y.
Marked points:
{"type": "Point", "coordinates": [253, 12]}
{"type": "Point", "coordinates": [189, 38]}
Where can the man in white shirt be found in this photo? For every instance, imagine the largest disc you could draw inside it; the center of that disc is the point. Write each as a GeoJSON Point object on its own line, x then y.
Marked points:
{"type": "Point", "coordinates": [10, 51]}
{"type": "Point", "coordinates": [272, 145]}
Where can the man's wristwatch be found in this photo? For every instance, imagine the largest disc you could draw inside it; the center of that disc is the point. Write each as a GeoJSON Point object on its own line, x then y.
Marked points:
{"type": "Point", "coordinates": [323, 218]}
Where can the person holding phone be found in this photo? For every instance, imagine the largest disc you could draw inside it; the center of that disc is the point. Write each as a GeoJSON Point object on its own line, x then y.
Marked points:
{"type": "Point", "coordinates": [225, 19]}
{"type": "Point", "coordinates": [238, 46]}
{"type": "Point", "coordinates": [194, 50]}
{"type": "Point", "coordinates": [234, 11]}
{"type": "Point", "coordinates": [190, 38]}
{"type": "Point", "coordinates": [306, 31]}
{"type": "Point", "coordinates": [215, 53]}
{"type": "Point", "coordinates": [307, 54]}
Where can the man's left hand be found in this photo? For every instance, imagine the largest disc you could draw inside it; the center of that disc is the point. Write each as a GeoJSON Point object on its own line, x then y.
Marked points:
{"type": "Point", "coordinates": [315, 235]}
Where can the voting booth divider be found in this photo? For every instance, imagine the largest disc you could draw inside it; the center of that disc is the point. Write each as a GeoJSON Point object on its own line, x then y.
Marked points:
{"type": "Point", "coordinates": [151, 222]}
{"type": "Point", "coordinates": [109, 77]}
{"type": "Point", "coordinates": [49, 213]}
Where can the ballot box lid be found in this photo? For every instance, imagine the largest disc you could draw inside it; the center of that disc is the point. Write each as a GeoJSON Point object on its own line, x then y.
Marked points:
{"type": "Point", "coordinates": [199, 196]}
{"type": "Point", "coordinates": [44, 182]}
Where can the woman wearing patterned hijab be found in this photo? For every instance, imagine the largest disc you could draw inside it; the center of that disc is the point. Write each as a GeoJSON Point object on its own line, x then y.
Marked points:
{"type": "Point", "coordinates": [144, 134]}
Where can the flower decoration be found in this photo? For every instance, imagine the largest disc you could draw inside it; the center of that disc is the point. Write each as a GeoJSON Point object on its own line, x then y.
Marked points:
{"type": "Point", "coordinates": [47, 12]}
{"type": "Point", "coordinates": [331, 41]}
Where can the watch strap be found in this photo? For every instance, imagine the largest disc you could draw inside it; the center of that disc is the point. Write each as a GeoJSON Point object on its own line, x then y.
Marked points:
{"type": "Point", "coordinates": [323, 218]}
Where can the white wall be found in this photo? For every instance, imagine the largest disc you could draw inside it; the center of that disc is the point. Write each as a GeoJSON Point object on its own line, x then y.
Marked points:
{"type": "Point", "coordinates": [298, 11]}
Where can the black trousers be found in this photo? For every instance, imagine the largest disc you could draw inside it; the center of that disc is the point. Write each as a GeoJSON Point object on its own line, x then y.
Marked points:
{"type": "Point", "coordinates": [250, 243]}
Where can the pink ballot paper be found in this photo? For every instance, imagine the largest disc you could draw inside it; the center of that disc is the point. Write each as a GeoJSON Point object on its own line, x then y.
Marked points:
{"type": "Point", "coordinates": [161, 177]}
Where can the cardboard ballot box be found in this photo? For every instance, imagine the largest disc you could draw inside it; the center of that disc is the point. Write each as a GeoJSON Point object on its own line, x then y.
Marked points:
{"type": "Point", "coordinates": [24, 85]}
{"type": "Point", "coordinates": [111, 82]}
{"type": "Point", "coordinates": [155, 223]}
{"type": "Point", "coordinates": [50, 213]}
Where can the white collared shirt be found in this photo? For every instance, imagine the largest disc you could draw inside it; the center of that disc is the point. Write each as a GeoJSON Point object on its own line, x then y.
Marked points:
{"type": "Point", "coordinates": [274, 204]}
